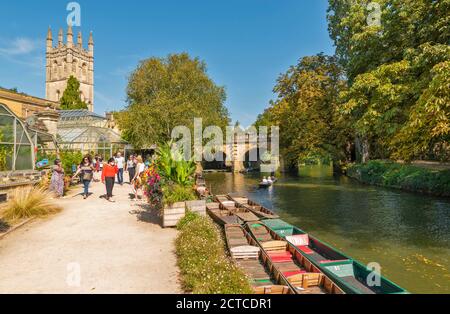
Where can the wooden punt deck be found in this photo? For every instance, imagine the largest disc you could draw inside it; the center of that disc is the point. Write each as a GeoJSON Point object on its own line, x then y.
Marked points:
{"type": "Point", "coordinates": [248, 258]}
{"type": "Point", "coordinates": [257, 209]}
{"type": "Point", "coordinates": [244, 214]}
{"type": "Point", "coordinates": [220, 216]}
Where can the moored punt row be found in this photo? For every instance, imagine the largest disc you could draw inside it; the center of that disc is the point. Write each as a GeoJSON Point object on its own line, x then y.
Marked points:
{"type": "Point", "coordinates": [249, 258]}
{"type": "Point", "coordinates": [350, 275]}
{"type": "Point", "coordinates": [255, 208]}
{"type": "Point", "coordinates": [293, 257]}
{"type": "Point", "coordinates": [288, 265]}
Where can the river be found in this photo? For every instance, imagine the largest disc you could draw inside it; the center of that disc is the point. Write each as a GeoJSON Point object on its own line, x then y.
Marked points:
{"type": "Point", "coordinates": [407, 234]}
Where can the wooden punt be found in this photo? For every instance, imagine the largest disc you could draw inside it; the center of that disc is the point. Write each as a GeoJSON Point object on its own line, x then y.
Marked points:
{"type": "Point", "coordinates": [267, 184]}
{"type": "Point", "coordinates": [249, 258]}
{"type": "Point", "coordinates": [257, 209]}
{"type": "Point", "coordinates": [243, 213]}
{"type": "Point", "coordinates": [288, 265]}
{"type": "Point", "coordinates": [350, 275]}
{"type": "Point", "coordinates": [221, 216]}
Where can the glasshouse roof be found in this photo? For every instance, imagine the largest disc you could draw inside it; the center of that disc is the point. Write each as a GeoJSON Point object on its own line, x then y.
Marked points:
{"type": "Point", "coordinates": [88, 135]}
{"type": "Point", "coordinates": [78, 114]}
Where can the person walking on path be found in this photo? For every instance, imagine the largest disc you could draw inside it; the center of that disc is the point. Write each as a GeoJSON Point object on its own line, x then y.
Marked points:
{"type": "Point", "coordinates": [131, 168]}
{"type": "Point", "coordinates": [97, 169]}
{"type": "Point", "coordinates": [108, 178]}
{"type": "Point", "coordinates": [137, 180]}
{"type": "Point", "coordinates": [86, 169]}
{"type": "Point", "coordinates": [120, 163]}
{"type": "Point", "coordinates": [57, 181]}
{"type": "Point", "coordinates": [100, 165]}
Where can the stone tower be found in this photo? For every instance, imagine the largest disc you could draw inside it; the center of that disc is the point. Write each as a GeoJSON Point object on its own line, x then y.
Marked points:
{"type": "Point", "coordinates": [69, 59]}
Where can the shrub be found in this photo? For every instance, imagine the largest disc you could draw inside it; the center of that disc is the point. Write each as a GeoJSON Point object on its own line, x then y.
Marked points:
{"type": "Point", "coordinates": [70, 158]}
{"type": "Point", "coordinates": [29, 202]}
{"type": "Point", "coordinates": [174, 193]}
{"type": "Point", "coordinates": [187, 219]}
{"type": "Point", "coordinates": [402, 176]}
{"type": "Point", "coordinates": [205, 268]}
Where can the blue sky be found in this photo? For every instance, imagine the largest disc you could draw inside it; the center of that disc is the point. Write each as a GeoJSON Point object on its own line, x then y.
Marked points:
{"type": "Point", "coordinates": [245, 43]}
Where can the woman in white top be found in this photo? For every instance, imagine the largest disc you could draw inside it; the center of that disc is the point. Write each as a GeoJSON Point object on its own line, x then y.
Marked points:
{"type": "Point", "coordinates": [137, 180]}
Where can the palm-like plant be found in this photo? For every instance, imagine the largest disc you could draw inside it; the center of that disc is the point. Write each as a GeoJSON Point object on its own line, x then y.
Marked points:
{"type": "Point", "coordinates": [165, 161]}
{"type": "Point", "coordinates": [174, 167]}
{"type": "Point", "coordinates": [184, 171]}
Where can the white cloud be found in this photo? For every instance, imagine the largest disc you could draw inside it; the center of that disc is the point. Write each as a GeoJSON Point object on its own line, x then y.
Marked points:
{"type": "Point", "coordinates": [23, 51]}
{"type": "Point", "coordinates": [19, 46]}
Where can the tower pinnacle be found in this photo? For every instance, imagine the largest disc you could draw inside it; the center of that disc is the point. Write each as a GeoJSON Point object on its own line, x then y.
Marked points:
{"type": "Point", "coordinates": [49, 39]}
{"type": "Point", "coordinates": [60, 37]}
{"type": "Point", "coordinates": [80, 40]}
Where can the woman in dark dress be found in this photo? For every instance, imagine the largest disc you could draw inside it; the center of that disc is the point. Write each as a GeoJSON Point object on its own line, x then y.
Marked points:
{"type": "Point", "coordinates": [131, 167]}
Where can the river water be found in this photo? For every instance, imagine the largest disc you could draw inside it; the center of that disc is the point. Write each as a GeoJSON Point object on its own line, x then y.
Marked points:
{"type": "Point", "coordinates": [407, 234]}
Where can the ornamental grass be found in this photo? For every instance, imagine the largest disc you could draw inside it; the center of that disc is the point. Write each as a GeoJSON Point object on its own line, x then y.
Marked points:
{"type": "Point", "coordinates": [28, 202]}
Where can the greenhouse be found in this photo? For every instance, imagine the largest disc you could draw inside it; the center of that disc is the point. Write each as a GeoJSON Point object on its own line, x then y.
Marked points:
{"type": "Point", "coordinates": [16, 144]}
{"type": "Point", "coordinates": [89, 133]}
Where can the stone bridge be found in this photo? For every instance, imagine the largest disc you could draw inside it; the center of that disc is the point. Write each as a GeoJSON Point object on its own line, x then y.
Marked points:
{"type": "Point", "coordinates": [239, 154]}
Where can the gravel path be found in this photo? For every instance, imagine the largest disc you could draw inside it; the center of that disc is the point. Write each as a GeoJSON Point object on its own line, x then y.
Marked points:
{"type": "Point", "coordinates": [93, 246]}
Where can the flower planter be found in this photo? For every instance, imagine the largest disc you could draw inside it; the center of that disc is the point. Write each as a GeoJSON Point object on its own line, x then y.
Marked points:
{"type": "Point", "coordinates": [198, 207]}
{"type": "Point", "coordinates": [173, 214]}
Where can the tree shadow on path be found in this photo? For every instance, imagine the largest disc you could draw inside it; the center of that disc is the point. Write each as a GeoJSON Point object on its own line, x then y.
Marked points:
{"type": "Point", "coordinates": [145, 213]}
{"type": "Point", "coordinates": [4, 226]}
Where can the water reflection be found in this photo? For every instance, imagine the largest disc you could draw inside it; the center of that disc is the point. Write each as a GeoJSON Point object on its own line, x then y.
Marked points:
{"type": "Point", "coordinates": [408, 234]}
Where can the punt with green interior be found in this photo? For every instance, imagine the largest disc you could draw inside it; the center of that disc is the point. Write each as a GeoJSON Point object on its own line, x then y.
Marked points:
{"type": "Point", "coordinates": [350, 275]}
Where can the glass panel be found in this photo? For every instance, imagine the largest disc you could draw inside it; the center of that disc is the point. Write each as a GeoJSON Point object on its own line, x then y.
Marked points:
{"type": "Point", "coordinates": [3, 110]}
{"type": "Point", "coordinates": [21, 137]}
{"type": "Point", "coordinates": [24, 158]}
{"type": "Point", "coordinates": [7, 129]}
{"type": "Point", "coordinates": [104, 151]}
{"type": "Point", "coordinates": [6, 153]}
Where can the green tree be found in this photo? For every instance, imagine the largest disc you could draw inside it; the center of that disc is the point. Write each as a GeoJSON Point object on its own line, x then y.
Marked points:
{"type": "Point", "coordinates": [306, 111]}
{"type": "Point", "coordinates": [71, 99]}
{"type": "Point", "coordinates": [394, 102]}
{"type": "Point", "coordinates": [167, 92]}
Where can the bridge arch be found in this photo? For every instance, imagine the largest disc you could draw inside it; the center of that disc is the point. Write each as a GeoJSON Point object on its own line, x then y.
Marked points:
{"type": "Point", "coordinates": [217, 164]}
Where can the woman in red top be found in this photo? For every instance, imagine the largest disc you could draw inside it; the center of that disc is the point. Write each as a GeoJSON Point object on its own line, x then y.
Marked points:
{"type": "Point", "coordinates": [108, 177]}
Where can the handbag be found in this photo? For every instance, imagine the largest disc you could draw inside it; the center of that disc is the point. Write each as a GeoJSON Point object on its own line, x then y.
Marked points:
{"type": "Point", "coordinates": [87, 176]}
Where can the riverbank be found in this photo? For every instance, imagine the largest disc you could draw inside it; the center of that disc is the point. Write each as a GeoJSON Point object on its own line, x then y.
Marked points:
{"type": "Point", "coordinates": [406, 177]}
{"type": "Point", "coordinates": [204, 265]}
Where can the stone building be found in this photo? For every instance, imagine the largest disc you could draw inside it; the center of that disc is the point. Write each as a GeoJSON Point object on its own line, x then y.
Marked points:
{"type": "Point", "coordinates": [69, 59]}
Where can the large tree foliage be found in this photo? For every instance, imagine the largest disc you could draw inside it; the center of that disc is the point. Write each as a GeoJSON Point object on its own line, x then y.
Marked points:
{"type": "Point", "coordinates": [393, 69]}
{"type": "Point", "coordinates": [405, 25]}
{"type": "Point", "coordinates": [395, 103]}
{"type": "Point", "coordinates": [71, 99]}
{"type": "Point", "coordinates": [306, 110]}
{"type": "Point", "coordinates": [164, 93]}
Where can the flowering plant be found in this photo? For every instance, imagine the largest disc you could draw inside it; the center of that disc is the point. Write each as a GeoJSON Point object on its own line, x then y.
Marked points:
{"type": "Point", "coordinates": [153, 186]}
